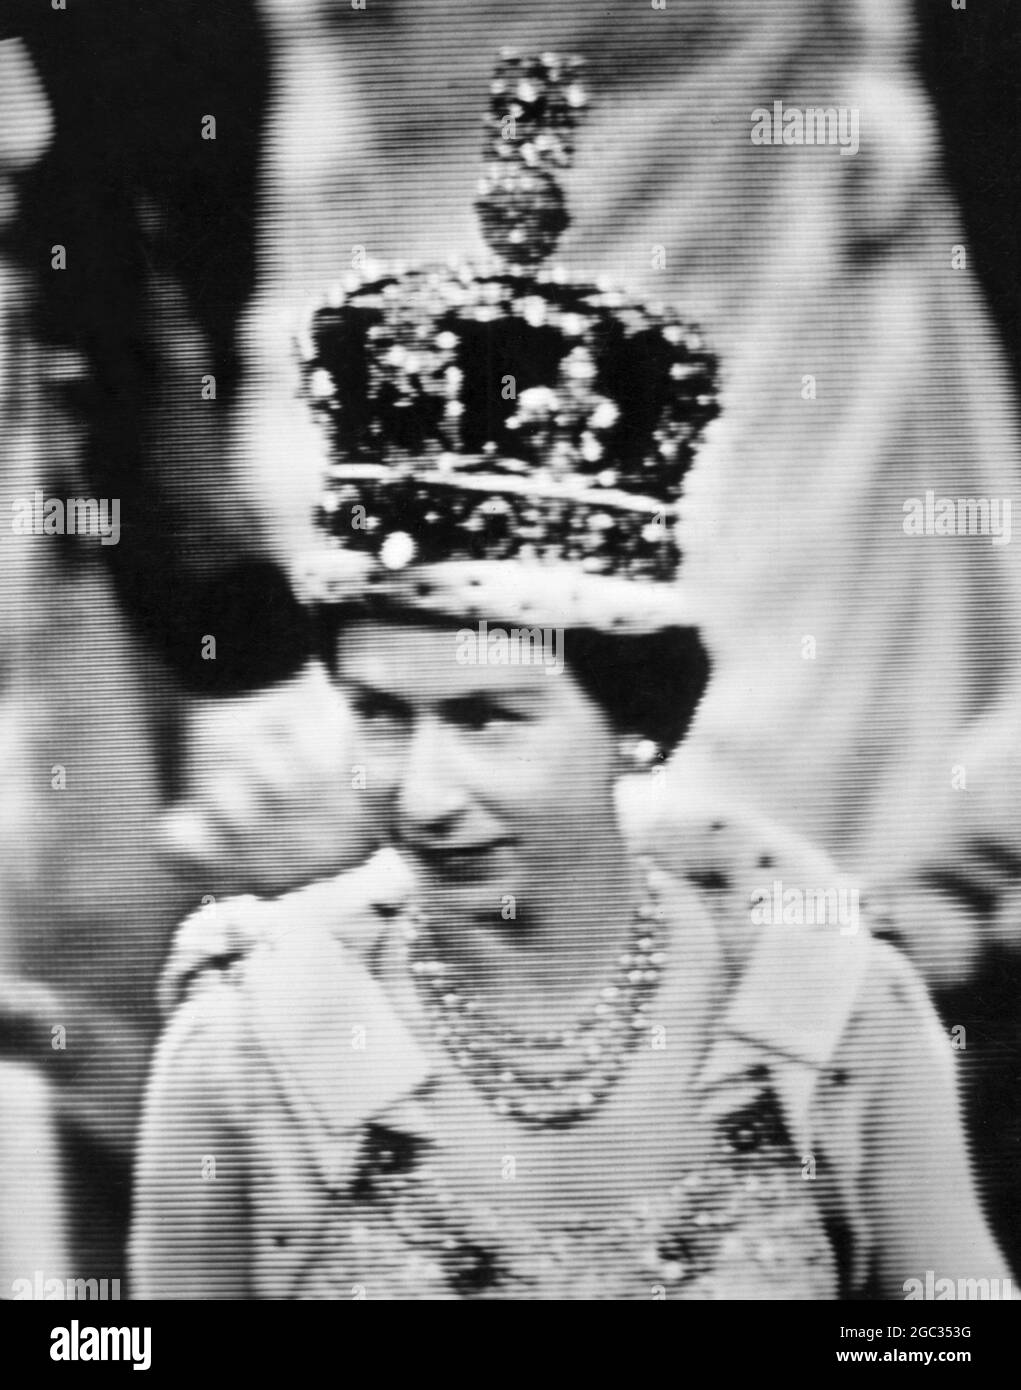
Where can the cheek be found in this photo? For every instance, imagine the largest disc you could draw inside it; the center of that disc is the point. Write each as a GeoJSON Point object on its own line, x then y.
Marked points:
{"type": "Point", "coordinates": [376, 761]}
{"type": "Point", "coordinates": [585, 778]}
{"type": "Point", "coordinates": [563, 767]}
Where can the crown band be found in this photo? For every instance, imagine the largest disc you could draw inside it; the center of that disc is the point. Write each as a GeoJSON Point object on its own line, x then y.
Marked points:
{"type": "Point", "coordinates": [500, 591]}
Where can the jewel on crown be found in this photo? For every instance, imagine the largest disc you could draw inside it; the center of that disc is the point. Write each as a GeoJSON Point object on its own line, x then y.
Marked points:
{"type": "Point", "coordinates": [501, 412]}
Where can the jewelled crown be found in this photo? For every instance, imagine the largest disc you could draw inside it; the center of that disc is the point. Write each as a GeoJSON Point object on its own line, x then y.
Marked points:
{"type": "Point", "coordinates": [504, 442]}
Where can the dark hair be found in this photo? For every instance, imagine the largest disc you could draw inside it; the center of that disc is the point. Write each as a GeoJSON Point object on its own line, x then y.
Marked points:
{"type": "Point", "coordinates": [648, 685]}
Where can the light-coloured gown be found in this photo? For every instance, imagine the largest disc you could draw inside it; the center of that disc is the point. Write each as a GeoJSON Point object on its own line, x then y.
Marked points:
{"type": "Point", "coordinates": [787, 1129]}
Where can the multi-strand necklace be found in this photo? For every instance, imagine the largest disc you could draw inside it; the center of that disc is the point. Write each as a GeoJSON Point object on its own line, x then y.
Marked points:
{"type": "Point", "coordinates": [558, 1076]}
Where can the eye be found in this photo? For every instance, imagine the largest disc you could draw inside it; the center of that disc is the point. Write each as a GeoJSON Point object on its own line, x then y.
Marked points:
{"type": "Point", "coordinates": [479, 712]}
{"type": "Point", "coordinates": [373, 707]}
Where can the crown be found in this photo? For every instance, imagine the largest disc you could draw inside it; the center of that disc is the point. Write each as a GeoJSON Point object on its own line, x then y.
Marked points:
{"type": "Point", "coordinates": [503, 441]}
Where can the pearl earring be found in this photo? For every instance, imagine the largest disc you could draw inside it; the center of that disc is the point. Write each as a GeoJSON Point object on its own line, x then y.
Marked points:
{"type": "Point", "coordinates": [640, 753]}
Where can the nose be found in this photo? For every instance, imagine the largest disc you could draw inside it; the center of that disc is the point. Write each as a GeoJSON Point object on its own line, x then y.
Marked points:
{"type": "Point", "coordinates": [431, 794]}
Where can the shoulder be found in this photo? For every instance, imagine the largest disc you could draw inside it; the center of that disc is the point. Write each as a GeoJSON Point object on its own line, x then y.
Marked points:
{"type": "Point", "coordinates": [804, 976]}
{"type": "Point", "coordinates": [724, 841]}
{"type": "Point", "coordinates": [794, 929]}
{"type": "Point", "coordinates": [232, 938]}
{"type": "Point", "coordinates": [755, 876]}
{"type": "Point", "coordinates": [283, 987]}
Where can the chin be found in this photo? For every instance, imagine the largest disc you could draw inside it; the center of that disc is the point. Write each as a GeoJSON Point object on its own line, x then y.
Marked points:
{"type": "Point", "coordinates": [481, 895]}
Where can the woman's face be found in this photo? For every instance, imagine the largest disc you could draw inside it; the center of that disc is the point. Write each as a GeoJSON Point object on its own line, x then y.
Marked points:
{"type": "Point", "coordinates": [494, 779]}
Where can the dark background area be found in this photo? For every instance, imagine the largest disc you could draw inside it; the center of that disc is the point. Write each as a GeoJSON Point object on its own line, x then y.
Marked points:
{"type": "Point", "coordinates": [971, 61]}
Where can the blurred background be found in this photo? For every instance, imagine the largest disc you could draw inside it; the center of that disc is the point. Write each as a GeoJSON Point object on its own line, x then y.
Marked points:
{"type": "Point", "coordinates": [140, 777]}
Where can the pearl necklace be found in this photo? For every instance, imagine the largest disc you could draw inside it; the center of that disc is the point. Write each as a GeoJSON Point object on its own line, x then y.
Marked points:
{"type": "Point", "coordinates": [578, 1065]}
